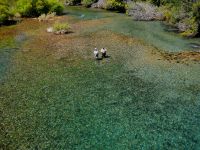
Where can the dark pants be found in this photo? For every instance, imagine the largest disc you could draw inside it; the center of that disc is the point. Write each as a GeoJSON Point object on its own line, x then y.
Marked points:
{"type": "Point", "coordinates": [104, 55]}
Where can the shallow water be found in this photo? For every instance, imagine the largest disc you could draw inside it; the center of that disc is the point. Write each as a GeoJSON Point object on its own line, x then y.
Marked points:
{"type": "Point", "coordinates": [154, 33]}
{"type": "Point", "coordinates": [56, 96]}
{"type": "Point", "coordinates": [8, 47]}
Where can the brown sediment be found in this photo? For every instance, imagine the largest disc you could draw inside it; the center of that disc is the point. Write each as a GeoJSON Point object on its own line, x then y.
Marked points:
{"type": "Point", "coordinates": [55, 47]}
{"type": "Point", "coordinates": [7, 32]}
{"type": "Point", "coordinates": [63, 46]}
{"type": "Point", "coordinates": [181, 57]}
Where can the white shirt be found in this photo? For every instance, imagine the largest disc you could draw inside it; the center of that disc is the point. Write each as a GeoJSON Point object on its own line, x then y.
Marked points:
{"type": "Point", "coordinates": [96, 52]}
{"type": "Point", "coordinates": [103, 50]}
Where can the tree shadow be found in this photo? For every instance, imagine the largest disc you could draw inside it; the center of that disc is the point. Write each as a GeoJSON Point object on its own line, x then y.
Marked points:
{"type": "Point", "coordinates": [9, 23]}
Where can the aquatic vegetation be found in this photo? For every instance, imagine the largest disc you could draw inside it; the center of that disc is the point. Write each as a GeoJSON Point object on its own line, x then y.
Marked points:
{"type": "Point", "coordinates": [48, 16]}
{"type": "Point", "coordinates": [61, 28]}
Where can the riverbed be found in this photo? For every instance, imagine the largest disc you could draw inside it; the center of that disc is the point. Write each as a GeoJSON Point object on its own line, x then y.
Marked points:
{"type": "Point", "coordinates": [55, 95]}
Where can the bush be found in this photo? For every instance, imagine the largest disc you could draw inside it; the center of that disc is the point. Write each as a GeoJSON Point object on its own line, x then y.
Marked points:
{"type": "Point", "coordinates": [42, 7]}
{"type": "Point", "coordinates": [55, 6]}
{"type": "Point", "coordinates": [192, 27]}
{"type": "Point", "coordinates": [45, 17]}
{"type": "Point", "coordinates": [88, 3]}
{"type": "Point", "coordinates": [61, 26]}
{"type": "Point", "coordinates": [25, 8]}
{"type": "Point", "coordinates": [115, 5]}
{"type": "Point", "coordinates": [4, 12]}
{"type": "Point", "coordinates": [73, 2]}
{"type": "Point", "coordinates": [196, 11]}
{"type": "Point", "coordinates": [30, 8]}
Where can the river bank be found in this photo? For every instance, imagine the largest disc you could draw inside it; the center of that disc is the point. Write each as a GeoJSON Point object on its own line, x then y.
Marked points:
{"type": "Point", "coordinates": [54, 95]}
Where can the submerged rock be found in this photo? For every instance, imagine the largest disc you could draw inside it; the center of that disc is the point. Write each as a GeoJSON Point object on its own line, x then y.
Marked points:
{"type": "Point", "coordinates": [143, 11]}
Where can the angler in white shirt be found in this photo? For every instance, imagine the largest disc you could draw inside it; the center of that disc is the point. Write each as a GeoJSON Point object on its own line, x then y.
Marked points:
{"type": "Point", "coordinates": [103, 52]}
{"type": "Point", "coordinates": [96, 53]}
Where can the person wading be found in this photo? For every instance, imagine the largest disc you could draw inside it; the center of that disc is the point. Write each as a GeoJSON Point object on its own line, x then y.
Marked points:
{"type": "Point", "coordinates": [103, 52]}
{"type": "Point", "coordinates": [96, 53]}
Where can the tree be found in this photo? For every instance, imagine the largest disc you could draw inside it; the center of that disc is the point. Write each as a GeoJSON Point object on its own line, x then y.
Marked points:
{"type": "Point", "coordinates": [4, 11]}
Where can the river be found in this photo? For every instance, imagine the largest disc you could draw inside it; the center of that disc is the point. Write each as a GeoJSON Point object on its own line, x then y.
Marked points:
{"type": "Point", "coordinates": [54, 95]}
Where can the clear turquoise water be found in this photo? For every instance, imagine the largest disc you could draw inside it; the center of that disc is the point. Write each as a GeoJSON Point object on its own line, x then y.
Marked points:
{"type": "Point", "coordinates": [8, 47]}
{"type": "Point", "coordinates": [151, 32]}
{"type": "Point", "coordinates": [124, 102]}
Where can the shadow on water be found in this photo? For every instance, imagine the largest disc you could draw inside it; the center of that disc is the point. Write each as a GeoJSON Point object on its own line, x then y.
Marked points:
{"type": "Point", "coordinates": [9, 23]}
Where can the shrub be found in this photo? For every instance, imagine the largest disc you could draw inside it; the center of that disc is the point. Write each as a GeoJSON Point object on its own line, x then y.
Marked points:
{"type": "Point", "coordinates": [61, 26]}
{"type": "Point", "coordinates": [196, 11]}
{"type": "Point", "coordinates": [25, 8]}
{"type": "Point", "coordinates": [192, 27]}
{"type": "Point", "coordinates": [73, 2]}
{"type": "Point", "coordinates": [55, 6]}
{"type": "Point", "coordinates": [44, 17]}
{"type": "Point", "coordinates": [4, 12]}
{"type": "Point", "coordinates": [196, 14]}
{"type": "Point", "coordinates": [29, 8]}
{"type": "Point", "coordinates": [42, 7]}
{"type": "Point", "coordinates": [88, 3]}
{"type": "Point", "coordinates": [115, 5]}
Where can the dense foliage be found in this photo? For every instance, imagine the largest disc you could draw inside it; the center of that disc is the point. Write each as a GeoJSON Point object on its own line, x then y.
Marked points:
{"type": "Point", "coordinates": [61, 26]}
{"type": "Point", "coordinates": [28, 8]}
{"type": "Point", "coordinates": [184, 14]}
{"type": "Point", "coordinates": [88, 3]}
{"type": "Point", "coordinates": [72, 2]}
{"type": "Point", "coordinates": [5, 11]}
{"type": "Point", "coordinates": [117, 5]}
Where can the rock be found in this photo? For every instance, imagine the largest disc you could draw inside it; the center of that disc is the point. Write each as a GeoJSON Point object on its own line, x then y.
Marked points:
{"type": "Point", "coordinates": [99, 4]}
{"type": "Point", "coordinates": [143, 11]}
{"type": "Point", "coordinates": [182, 26]}
{"type": "Point", "coordinates": [50, 30]}
{"type": "Point", "coordinates": [61, 32]}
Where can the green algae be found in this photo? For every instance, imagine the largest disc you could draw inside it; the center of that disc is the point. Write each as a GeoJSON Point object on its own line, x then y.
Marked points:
{"type": "Point", "coordinates": [56, 96]}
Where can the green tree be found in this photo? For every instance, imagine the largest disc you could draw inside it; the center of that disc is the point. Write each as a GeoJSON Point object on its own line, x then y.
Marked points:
{"type": "Point", "coordinates": [88, 3]}
{"type": "Point", "coordinates": [29, 8]}
{"type": "Point", "coordinates": [196, 14]}
{"type": "Point", "coordinates": [25, 8]}
{"type": "Point", "coordinates": [117, 5]}
{"type": "Point", "coordinates": [4, 11]}
{"type": "Point", "coordinates": [55, 6]}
